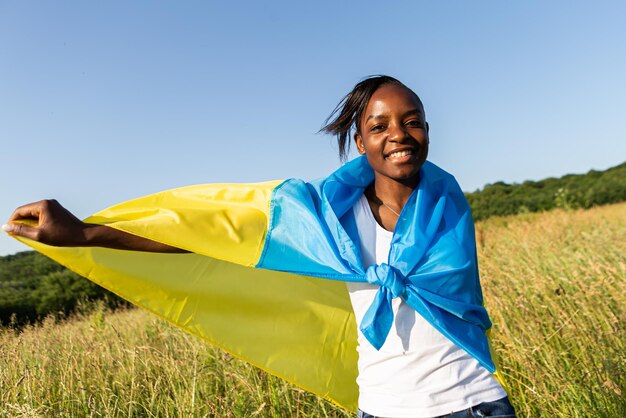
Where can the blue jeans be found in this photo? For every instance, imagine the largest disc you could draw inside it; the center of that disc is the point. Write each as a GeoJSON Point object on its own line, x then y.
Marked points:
{"type": "Point", "coordinates": [501, 408]}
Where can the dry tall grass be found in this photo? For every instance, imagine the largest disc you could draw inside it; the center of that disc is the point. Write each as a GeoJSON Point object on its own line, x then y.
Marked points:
{"type": "Point", "coordinates": [554, 285]}
{"type": "Point", "coordinates": [134, 364]}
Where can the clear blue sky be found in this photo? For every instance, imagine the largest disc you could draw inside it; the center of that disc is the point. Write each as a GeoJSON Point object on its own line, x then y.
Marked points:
{"type": "Point", "coordinates": [101, 102]}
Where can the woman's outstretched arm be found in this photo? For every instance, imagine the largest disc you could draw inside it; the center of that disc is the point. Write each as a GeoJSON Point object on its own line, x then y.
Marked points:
{"type": "Point", "coordinates": [55, 225]}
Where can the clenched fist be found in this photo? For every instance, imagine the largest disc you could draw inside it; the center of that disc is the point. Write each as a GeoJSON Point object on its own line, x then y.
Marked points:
{"type": "Point", "coordinates": [50, 223]}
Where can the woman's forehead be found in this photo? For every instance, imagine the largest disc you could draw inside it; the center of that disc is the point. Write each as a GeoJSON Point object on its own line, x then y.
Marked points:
{"type": "Point", "coordinates": [393, 98]}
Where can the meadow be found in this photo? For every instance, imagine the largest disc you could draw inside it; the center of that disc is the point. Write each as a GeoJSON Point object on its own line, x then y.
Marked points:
{"type": "Point", "coordinates": [554, 284]}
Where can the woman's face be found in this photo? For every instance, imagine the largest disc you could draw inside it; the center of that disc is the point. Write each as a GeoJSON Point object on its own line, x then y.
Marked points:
{"type": "Point", "coordinates": [393, 134]}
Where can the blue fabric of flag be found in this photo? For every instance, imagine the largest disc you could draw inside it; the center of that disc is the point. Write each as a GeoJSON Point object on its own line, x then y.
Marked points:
{"type": "Point", "coordinates": [432, 261]}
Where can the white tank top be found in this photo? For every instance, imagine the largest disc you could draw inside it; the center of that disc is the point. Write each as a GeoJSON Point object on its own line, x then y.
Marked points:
{"type": "Point", "coordinates": [417, 372]}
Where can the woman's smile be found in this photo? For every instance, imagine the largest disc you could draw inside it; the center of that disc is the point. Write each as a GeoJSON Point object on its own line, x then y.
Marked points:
{"type": "Point", "coordinates": [393, 134]}
{"type": "Point", "coordinates": [400, 156]}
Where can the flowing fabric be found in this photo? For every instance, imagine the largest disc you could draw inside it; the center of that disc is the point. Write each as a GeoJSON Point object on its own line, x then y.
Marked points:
{"type": "Point", "coordinates": [265, 277]}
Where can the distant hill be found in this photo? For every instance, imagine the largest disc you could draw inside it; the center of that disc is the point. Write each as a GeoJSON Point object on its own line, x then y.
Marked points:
{"type": "Point", "coordinates": [567, 192]}
{"type": "Point", "coordinates": [32, 286]}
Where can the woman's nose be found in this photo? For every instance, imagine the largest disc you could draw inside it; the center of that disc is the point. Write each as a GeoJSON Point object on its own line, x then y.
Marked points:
{"type": "Point", "coordinates": [396, 132]}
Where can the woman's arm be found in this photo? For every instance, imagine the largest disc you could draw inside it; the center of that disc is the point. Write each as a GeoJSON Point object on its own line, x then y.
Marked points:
{"type": "Point", "coordinates": [55, 225]}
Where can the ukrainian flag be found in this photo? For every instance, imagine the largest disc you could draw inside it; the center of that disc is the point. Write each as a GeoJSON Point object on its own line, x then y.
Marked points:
{"type": "Point", "coordinates": [264, 279]}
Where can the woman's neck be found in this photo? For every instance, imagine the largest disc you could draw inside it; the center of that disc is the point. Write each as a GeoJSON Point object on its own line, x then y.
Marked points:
{"type": "Point", "coordinates": [386, 198]}
{"type": "Point", "coordinates": [392, 192]}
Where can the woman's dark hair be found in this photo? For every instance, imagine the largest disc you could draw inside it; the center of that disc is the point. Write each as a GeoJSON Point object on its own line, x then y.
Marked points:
{"type": "Point", "coordinates": [348, 112]}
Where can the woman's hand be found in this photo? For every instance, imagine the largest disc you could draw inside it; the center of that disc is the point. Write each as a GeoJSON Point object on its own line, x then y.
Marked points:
{"type": "Point", "coordinates": [50, 223]}
{"type": "Point", "coordinates": [53, 224]}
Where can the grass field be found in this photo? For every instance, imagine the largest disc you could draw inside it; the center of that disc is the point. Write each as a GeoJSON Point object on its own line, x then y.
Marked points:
{"type": "Point", "coordinates": [554, 283]}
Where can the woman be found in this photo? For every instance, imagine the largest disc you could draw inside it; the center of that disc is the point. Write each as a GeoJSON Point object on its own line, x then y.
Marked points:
{"type": "Point", "coordinates": [418, 371]}
{"type": "Point", "coordinates": [412, 277]}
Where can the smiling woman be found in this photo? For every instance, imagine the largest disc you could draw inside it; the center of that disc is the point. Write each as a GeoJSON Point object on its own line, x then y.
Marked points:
{"type": "Point", "coordinates": [394, 137]}
{"type": "Point", "coordinates": [264, 264]}
{"type": "Point", "coordinates": [410, 375]}
{"type": "Point", "coordinates": [394, 134]}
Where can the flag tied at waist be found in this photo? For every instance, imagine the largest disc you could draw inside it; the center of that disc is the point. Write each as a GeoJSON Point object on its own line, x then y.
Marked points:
{"type": "Point", "coordinates": [378, 319]}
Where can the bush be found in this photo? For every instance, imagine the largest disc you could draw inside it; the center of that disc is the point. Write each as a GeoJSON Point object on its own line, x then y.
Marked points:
{"type": "Point", "coordinates": [568, 192]}
{"type": "Point", "coordinates": [33, 286]}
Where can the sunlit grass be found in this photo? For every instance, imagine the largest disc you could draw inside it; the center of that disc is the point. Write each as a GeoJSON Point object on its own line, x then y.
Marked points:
{"type": "Point", "coordinates": [555, 285]}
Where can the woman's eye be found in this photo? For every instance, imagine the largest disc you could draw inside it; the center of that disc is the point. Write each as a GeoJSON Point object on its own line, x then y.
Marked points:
{"type": "Point", "coordinates": [377, 128]}
{"type": "Point", "coordinates": [414, 123]}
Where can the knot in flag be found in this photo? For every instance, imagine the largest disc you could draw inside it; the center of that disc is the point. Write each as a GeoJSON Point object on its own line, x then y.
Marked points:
{"type": "Point", "coordinates": [386, 276]}
{"type": "Point", "coordinates": [378, 319]}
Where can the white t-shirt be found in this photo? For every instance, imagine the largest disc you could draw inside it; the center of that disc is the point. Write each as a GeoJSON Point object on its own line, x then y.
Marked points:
{"type": "Point", "coordinates": [418, 372]}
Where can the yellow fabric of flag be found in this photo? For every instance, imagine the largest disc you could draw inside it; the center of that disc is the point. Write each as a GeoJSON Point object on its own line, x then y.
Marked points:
{"type": "Point", "coordinates": [299, 328]}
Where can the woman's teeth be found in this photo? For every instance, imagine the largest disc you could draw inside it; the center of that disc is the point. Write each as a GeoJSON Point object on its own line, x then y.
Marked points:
{"type": "Point", "coordinates": [399, 154]}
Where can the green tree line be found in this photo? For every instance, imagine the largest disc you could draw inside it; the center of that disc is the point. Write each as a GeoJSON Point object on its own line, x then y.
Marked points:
{"type": "Point", "coordinates": [568, 192]}
{"type": "Point", "coordinates": [33, 286]}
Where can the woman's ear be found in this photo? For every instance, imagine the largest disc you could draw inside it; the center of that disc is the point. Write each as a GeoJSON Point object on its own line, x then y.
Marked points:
{"type": "Point", "coordinates": [360, 147]}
